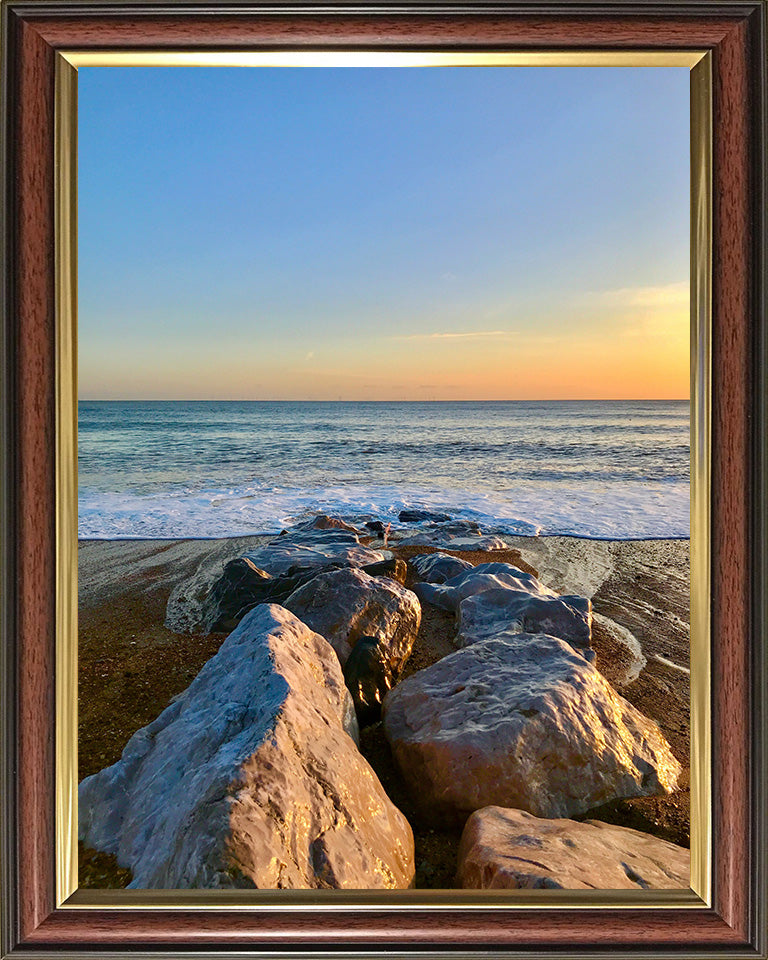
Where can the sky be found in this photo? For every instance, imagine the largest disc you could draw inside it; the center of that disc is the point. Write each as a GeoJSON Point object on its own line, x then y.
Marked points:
{"type": "Point", "coordinates": [383, 233]}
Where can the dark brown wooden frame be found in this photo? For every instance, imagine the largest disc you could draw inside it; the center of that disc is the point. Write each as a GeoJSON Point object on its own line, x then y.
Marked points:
{"type": "Point", "coordinates": [735, 32]}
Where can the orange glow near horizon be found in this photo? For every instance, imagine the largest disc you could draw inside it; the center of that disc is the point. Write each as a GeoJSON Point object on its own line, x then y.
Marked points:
{"type": "Point", "coordinates": [627, 344]}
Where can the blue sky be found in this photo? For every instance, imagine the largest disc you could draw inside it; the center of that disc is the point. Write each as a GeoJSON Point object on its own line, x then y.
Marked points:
{"type": "Point", "coordinates": [398, 233]}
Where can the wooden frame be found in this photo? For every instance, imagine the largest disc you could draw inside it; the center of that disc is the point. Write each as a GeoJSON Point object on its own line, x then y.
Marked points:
{"type": "Point", "coordinates": [734, 32]}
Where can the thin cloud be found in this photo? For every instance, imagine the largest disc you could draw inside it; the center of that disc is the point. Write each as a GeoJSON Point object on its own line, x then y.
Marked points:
{"type": "Point", "coordinates": [471, 335]}
{"type": "Point", "coordinates": [667, 295]}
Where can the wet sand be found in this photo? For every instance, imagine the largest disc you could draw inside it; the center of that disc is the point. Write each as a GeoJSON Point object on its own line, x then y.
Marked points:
{"type": "Point", "coordinates": [132, 664]}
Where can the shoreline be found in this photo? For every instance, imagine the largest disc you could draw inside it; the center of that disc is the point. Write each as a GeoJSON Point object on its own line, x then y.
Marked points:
{"type": "Point", "coordinates": [276, 533]}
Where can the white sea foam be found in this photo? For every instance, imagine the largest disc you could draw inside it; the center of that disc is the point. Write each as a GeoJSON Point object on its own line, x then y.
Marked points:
{"type": "Point", "coordinates": [626, 510]}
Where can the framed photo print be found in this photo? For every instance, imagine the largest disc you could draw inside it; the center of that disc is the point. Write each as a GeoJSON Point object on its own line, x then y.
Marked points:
{"type": "Point", "coordinates": [384, 479]}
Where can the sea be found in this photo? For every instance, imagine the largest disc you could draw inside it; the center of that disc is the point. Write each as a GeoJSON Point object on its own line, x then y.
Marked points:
{"type": "Point", "coordinates": [202, 469]}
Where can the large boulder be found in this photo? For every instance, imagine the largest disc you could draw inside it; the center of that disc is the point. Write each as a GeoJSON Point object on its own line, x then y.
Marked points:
{"type": "Point", "coordinates": [523, 721]}
{"type": "Point", "coordinates": [344, 605]}
{"type": "Point", "coordinates": [438, 567]}
{"type": "Point", "coordinates": [479, 579]}
{"type": "Point", "coordinates": [243, 586]}
{"type": "Point", "coordinates": [484, 615]}
{"type": "Point", "coordinates": [251, 778]}
{"type": "Point", "coordinates": [510, 849]}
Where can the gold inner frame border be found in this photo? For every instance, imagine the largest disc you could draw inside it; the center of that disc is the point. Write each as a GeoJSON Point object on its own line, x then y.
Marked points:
{"type": "Point", "coordinates": [699, 63]}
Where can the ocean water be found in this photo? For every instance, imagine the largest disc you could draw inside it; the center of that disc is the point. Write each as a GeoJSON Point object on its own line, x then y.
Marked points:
{"type": "Point", "coordinates": [166, 469]}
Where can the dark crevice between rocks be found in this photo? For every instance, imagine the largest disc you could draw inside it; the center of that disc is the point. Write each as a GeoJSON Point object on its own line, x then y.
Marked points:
{"type": "Point", "coordinates": [436, 850]}
{"type": "Point", "coordinates": [665, 817]}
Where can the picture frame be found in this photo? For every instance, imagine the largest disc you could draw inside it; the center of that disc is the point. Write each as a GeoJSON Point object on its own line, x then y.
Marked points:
{"type": "Point", "coordinates": [39, 476]}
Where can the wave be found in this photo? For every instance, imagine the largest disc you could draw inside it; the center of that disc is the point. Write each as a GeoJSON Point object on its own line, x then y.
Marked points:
{"type": "Point", "coordinates": [602, 510]}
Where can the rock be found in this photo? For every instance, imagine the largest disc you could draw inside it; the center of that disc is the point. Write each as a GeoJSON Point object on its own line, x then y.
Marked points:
{"type": "Point", "coordinates": [241, 587]}
{"type": "Point", "coordinates": [452, 535]}
{"type": "Point", "coordinates": [234, 592]}
{"type": "Point", "coordinates": [323, 522]}
{"type": "Point", "coordinates": [440, 532]}
{"type": "Point", "coordinates": [344, 605]}
{"type": "Point", "coordinates": [249, 778]}
{"type": "Point", "coordinates": [494, 597]}
{"type": "Point", "coordinates": [313, 552]}
{"type": "Point", "coordinates": [486, 543]}
{"type": "Point", "coordinates": [456, 528]}
{"type": "Point", "coordinates": [428, 538]}
{"type": "Point", "coordinates": [416, 516]}
{"type": "Point", "coordinates": [505, 849]}
{"type": "Point", "coordinates": [495, 611]}
{"type": "Point", "coordinates": [395, 569]}
{"type": "Point", "coordinates": [479, 579]}
{"type": "Point", "coordinates": [369, 677]}
{"type": "Point", "coordinates": [523, 721]}
{"type": "Point", "coordinates": [311, 536]}
{"type": "Point", "coordinates": [376, 526]}
{"type": "Point", "coordinates": [438, 567]}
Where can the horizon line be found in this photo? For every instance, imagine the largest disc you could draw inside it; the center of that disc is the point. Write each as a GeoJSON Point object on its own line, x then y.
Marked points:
{"type": "Point", "coordinates": [368, 400]}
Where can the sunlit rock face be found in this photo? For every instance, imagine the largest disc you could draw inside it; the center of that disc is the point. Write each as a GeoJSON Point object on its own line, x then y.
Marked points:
{"type": "Point", "coordinates": [510, 849]}
{"type": "Point", "coordinates": [522, 721]}
{"type": "Point", "coordinates": [251, 778]}
{"type": "Point", "coordinates": [323, 522]}
{"type": "Point", "coordinates": [491, 598]}
{"type": "Point", "coordinates": [344, 605]}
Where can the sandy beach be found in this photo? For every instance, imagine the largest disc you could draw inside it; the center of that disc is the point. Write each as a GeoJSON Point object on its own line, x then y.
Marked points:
{"type": "Point", "coordinates": [137, 600]}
